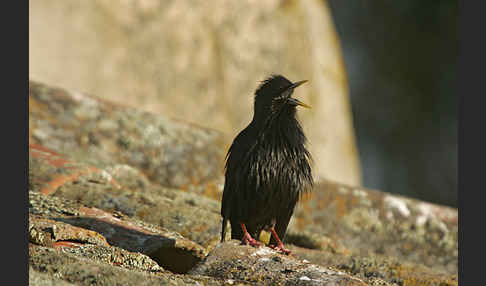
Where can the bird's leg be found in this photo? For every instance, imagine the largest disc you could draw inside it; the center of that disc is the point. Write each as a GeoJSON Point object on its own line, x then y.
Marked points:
{"type": "Point", "coordinates": [279, 245]}
{"type": "Point", "coordinates": [247, 239]}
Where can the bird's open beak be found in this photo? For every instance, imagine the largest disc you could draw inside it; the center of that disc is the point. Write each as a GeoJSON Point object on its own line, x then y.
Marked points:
{"type": "Point", "coordinates": [294, 100]}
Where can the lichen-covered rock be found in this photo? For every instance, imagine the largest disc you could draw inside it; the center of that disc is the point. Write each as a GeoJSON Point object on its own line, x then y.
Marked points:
{"type": "Point", "coordinates": [170, 152]}
{"type": "Point", "coordinates": [48, 264]}
{"type": "Point", "coordinates": [52, 227]}
{"type": "Point", "coordinates": [122, 189]}
{"type": "Point", "coordinates": [45, 279]}
{"type": "Point", "coordinates": [49, 232]}
{"type": "Point", "coordinates": [194, 217]}
{"type": "Point", "coordinates": [329, 236]}
{"type": "Point", "coordinates": [310, 240]}
{"type": "Point", "coordinates": [365, 221]}
{"type": "Point", "coordinates": [377, 269]}
{"type": "Point", "coordinates": [264, 266]}
{"type": "Point", "coordinates": [90, 205]}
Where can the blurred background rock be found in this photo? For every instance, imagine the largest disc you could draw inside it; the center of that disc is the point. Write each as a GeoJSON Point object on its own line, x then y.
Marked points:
{"type": "Point", "coordinates": [401, 65]}
{"type": "Point", "coordinates": [200, 62]}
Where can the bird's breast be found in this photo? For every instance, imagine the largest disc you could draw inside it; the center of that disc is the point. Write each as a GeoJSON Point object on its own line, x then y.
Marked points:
{"type": "Point", "coordinates": [279, 169]}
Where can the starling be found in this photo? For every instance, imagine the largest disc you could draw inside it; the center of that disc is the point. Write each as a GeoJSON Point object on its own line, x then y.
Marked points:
{"type": "Point", "coordinates": [267, 167]}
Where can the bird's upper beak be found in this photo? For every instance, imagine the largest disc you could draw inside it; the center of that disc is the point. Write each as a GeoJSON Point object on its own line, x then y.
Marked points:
{"type": "Point", "coordinates": [294, 100]}
{"type": "Point", "coordinates": [296, 84]}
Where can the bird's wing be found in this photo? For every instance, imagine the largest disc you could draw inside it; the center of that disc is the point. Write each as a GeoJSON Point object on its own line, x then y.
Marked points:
{"type": "Point", "coordinates": [241, 146]}
{"type": "Point", "coordinates": [235, 153]}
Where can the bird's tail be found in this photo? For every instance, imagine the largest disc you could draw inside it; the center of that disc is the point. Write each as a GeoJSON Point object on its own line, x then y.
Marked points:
{"type": "Point", "coordinates": [223, 229]}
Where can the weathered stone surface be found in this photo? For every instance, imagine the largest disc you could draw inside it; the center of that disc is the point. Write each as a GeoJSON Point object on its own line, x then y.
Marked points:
{"type": "Point", "coordinates": [196, 218]}
{"type": "Point", "coordinates": [45, 279]}
{"type": "Point", "coordinates": [310, 240]}
{"type": "Point", "coordinates": [85, 243]}
{"type": "Point", "coordinates": [55, 265]}
{"type": "Point", "coordinates": [96, 227]}
{"type": "Point", "coordinates": [89, 205]}
{"type": "Point", "coordinates": [48, 170]}
{"type": "Point", "coordinates": [377, 269]}
{"type": "Point", "coordinates": [231, 260]}
{"type": "Point", "coordinates": [92, 131]}
{"type": "Point", "coordinates": [51, 233]}
{"type": "Point", "coordinates": [115, 256]}
{"type": "Point", "coordinates": [122, 189]}
{"type": "Point", "coordinates": [365, 221]}
{"type": "Point", "coordinates": [341, 247]}
{"type": "Point", "coordinates": [200, 61]}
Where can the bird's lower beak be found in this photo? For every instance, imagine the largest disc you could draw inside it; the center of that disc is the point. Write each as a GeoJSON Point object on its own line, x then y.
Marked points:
{"type": "Point", "coordinates": [297, 102]}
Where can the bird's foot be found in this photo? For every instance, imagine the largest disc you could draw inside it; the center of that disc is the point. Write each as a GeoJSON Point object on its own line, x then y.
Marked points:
{"type": "Point", "coordinates": [280, 248]}
{"type": "Point", "coordinates": [248, 240]}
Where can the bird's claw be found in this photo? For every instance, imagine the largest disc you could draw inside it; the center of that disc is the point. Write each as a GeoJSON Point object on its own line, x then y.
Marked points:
{"type": "Point", "coordinates": [281, 249]}
{"type": "Point", "coordinates": [251, 241]}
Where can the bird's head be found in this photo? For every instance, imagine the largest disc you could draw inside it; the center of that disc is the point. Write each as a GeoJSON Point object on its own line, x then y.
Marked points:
{"type": "Point", "coordinates": [275, 94]}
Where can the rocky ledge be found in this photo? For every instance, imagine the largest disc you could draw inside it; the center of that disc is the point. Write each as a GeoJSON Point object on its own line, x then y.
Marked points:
{"type": "Point", "coordinates": [122, 197]}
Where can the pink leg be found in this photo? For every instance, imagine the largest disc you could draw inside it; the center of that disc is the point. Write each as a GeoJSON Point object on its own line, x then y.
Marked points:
{"type": "Point", "coordinates": [247, 239]}
{"type": "Point", "coordinates": [279, 245]}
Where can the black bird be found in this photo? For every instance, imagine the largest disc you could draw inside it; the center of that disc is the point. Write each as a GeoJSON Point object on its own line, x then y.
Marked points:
{"type": "Point", "coordinates": [267, 167]}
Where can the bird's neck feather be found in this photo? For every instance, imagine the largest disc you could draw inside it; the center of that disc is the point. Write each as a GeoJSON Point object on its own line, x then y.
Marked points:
{"type": "Point", "coordinates": [283, 126]}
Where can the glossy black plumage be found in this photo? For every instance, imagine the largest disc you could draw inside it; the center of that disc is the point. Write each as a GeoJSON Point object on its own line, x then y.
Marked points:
{"type": "Point", "coordinates": [268, 165]}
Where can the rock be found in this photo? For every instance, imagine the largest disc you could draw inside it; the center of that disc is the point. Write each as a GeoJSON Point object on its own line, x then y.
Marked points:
{"type": "Point", "coordinates": [121, 189]}
{"type": "Point", "coordinates": [52, 233]}
{"type": "Point", "coordinates": [376, 269]}
{"type": "Point", "coordinates": [94, 227]}
{"type": "Point", "coordinates": [365, 221]}
{"type": "Point", "coordinates": [198, 61]}
{"type": "Point", "coordinates": [44, 279]}
{"type": "Point", "coordinates": [310, 240]}
{"type": "Point", "coordinates": [98, 133]}
{"type": "Point", "coordinates": [91, 209]}
{"type": "Point", "coordinates": [233, 261]}
{"type": "Point", "coordinates": [49, 170]}
{"type": "Point", "coordinates": [50, 265]}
